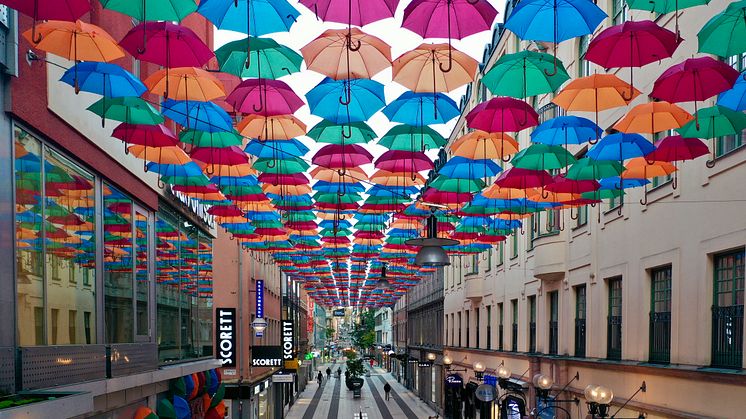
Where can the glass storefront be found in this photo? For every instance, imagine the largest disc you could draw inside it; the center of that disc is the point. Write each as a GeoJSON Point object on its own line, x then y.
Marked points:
{"type": "Point", "coordinates": [61, 211]}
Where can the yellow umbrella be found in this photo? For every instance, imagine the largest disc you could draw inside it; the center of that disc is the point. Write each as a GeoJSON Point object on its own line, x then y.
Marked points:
{"type": "Point", "coordinates": [479, 145]}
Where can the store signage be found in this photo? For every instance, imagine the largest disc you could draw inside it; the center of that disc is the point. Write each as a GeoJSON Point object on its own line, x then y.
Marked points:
{"type": "Point", "coordinates": [339, 312]}
{"type": "Point", "coordinates": [195, 206]}
{"type": "Point", "coordinates": [225, 336]}
{"type": "Point", "coordinates": [283, 378]}
{"type": "Point", "coordinates": [424, 364]}
{"type": "Point", "coordinates": [454, 380]}
{"type": "Point", "coordinates": [513, 407]}
{"type": "Point", "coordinates": [266, 356]}
{"type": "Point", "coordinates": [486, 393]}
{"type": "Point", "coordinates": [490, 379]}
{"type": "Point", "coordinates": [288, 340]}
{"type": "Point", "coordinates": [260, 298]}
{"type": "Point", "coordinates": [292, 365]}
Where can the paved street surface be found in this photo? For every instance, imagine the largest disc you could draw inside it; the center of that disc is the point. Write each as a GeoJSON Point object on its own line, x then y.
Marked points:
{"type": "Point", "coordinates": [332, 400]}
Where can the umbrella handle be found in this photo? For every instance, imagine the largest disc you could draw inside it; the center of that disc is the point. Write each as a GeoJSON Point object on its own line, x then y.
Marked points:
{"type": "Point", "coordinates": [576, 216]}
{"type": "Point", "coordinates": [548, 74]}
{"type": "Point", "coordinates": [344, 134]}
{"type": "Point", "coordinates": [287, 70]}
{"type": "Point", "coordinates": [144, 31]}
{"type": "Point", "coordinates": [161, 184]}
{"type": "Point", "coordinates": [450, 60]}
{"type": "Point", "coordinates": [544, 194]}
{"type": "Point", "coordinates": [345, 102]}
{"type": "Point", "coordinates": [261, 104]}
{"type": "Point", "coordinates": [210, 170]}
{"type": "Point", "coordinates": [353, 46]}
{"type": "Point", "coordinates": [34, 37]}
{"type": "Point", "coordinates": [342, 172]}
{"type": "Point", "coordinates": [644, 200]}
{"type": "Point", "coordinates": [272, 164]}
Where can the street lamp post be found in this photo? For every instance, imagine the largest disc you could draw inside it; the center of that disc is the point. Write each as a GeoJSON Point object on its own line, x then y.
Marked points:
{"type": "Point", "coordinates": [598, 399]}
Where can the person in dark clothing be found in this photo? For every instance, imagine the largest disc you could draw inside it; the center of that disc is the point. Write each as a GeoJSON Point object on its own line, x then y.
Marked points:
{"type": "Point", "coordinates": [319, 377]}
{"type": "Point", "coordinates": [328, 372]}
{"type": "Point", "coordinates": [339, 372]}
{"type": "Point", "coordinates": [387, 390]}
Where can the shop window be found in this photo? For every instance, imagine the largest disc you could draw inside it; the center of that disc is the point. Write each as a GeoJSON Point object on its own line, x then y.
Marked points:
{"type": "Point", "coordinates": [118, 266]}
{"type": "Point", "coordinates": [500, 332]}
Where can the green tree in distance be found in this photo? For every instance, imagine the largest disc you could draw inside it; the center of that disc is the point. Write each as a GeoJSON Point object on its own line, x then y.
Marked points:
{"type": "Point", "coordinates": [363, 332]}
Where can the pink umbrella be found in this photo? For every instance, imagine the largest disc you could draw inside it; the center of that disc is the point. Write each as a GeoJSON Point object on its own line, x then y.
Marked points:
{"type": "Point", "coordinates": [352, 12]}
{"type": "Point", "coordinates": [632, 44]}
{"type": "Point", "coordinates": [452, 19]}
{"type": "Point", "coordinates": [404, 161]}
{"type": "Point", "coordinates": [228, 156]}
{"type": "Point", "coordinates": [146, 135]}
{"type": "Point", "coordinates": [694, 79]}
{"type": "Point", "coordinates": [284, 179]}
{"type": "Point", "coordinates": [341, 156]}
{"type": "Point", "coordinates": [502, 114]}
{"type": "Point", "coordinates": [69, 10]}
{"type": "Point", "coordinates": [268, 97]}
{"type": "Point", "coordinates": [444, 197]}
{"type": "Point", "coordinates": [677, 148]}
{"type": "Point", "coordinates": [518, 178]}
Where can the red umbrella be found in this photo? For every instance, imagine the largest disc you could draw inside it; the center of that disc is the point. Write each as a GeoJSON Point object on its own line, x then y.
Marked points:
{"type": "Point", "coordinates": [694, 79]}
{"type": "Point", "coordinates": [404, 161]}
{"type": "Point", "coordinates": [444, 197]}
{"type": "Point", "coordinates": [502, 114]}
{"type": "Point", "coordinates": [561, 184]}
{"type": "Point", "coordinates": [341, 156]}
{"type": "Point", "coordinates": [227, 156]}
{"type": "Point", "coordinates": [146, 135]}
{"type": "Point", "coordinates": [518, 178]}
{"type": "Point", "coordinates": [225, 211]}
{"type": "Point", "coordinates": [69, 10]}
{"type": "Point", "coordinates": [268, 97]}
{"type": "Point", "coordinates": [632, 44]}
{"type": "Point", "coordinates": [677, 148]}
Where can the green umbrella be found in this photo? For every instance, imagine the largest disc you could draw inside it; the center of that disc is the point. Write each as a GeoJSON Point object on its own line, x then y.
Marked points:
{"type": "Point", "coordinates": [220, 139]}
{"type": "Point", "coordinates": [589, 169]}
{"type": "Point", "coordinates": [664, 6]}
{"type": "Point", "coordinates": [128, 109]}
{"type": "Point", "coordinates": [724, 33]}
{"type": "Point", "coordinates": [333, 198]}
{"type": "Point", "coordinates": [267, 224]}
{"type": "Point", "coordinates": [288, 166]}
{"type": "Point", "coordinates": [241, 190]}
{"type": "Point", "coordinates": [329, 132]}
{"type": "Point", "coordinates": [370, 226]}
{"type": "Point", "coordinates": [602, 194]}
{"type": "Point", "coordinates": [269, 59]}
{"type": "Point", "coordinates": [387, 200]}
{"type": "Point", "coordinates": [543, 157]}
{"type": "Point", "coordinates": [410, 138]}
{"type": "Point", "coordinates": [443, 183]}
{"type": "Point", "coordinates": [186, 180]}
{"type": "Point", "coordinates": [525, 74]}
{"type": "Point", "coordinates": [300, 216]}
{"type": "Point", "coordinates": [715, 121]}
{"type": "Point", "coordinates": [142, 10]}
{"type": "Point", "coordinates": [331, 233]}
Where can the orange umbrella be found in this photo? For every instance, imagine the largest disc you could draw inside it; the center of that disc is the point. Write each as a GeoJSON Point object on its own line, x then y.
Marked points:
{"type": "Point", "coordinates": [286, 189]}
{"type": "Point", "coordinates": [352, 175]}
{"type": "Point", "coordinates": [401, 179]}
{"type": "Point", "coordinates": [547, 196]}
{"type": "Point", "coordinates": [422, 69]}
{"type": "Point", "coordinates": [235, 170]}
{"type": "Point", "coordinates": [347, 54]}
{"type": "Point", "coordinates": [595, 93]}
{"type": "Point", "coordinates": [185, 83]}
{"type": "Point", "coordinates": [160, 155]}
{"type": "Point", "coordinates": [76, 41]}
{"type": "Point", "coordinates": [278, 127]}
{"type": "Point", "coordinates": [640, 168]}
{"type": "Point", "coordinates": [653, 117]}
{"type": "Point", "coordinates": [479, 145]}
{"type": "Point", "coordinates": [496, 192]}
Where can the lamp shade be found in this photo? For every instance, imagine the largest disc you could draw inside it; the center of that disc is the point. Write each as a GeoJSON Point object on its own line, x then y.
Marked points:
{"type": "Point", "coordinates": [431, 356]}
{"type": "Point", "coordinates": [590, 393]}
{"type": "Point", "coordinates": [447, 360]}
{"type": "Point", "coordinates": [432, 256]}
{"type": "Point", "coordinates": [543, 382]}
{"type": "Point", "coordinates": [605, 395]}
{"type": "Point", "coordinates": [478, 367]}
{"type": "Point", "coordinates": [503, 372]}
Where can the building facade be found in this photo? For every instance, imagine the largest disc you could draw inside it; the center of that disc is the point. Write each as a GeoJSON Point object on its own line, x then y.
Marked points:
{"type": "Point", "coordinates": [383, 327]}
{"type": "Point", "coordinates": [110, 295]}
{"type": "Point", "coordinates": [624, 292]}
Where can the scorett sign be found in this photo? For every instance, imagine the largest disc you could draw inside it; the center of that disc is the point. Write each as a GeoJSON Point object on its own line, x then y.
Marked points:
{"type": "Point", "coordinates": [266, 356]}
{"type": "Point", "coordinates": [288, 340]}
{"type": "Point", "coordinates": [225, 336]}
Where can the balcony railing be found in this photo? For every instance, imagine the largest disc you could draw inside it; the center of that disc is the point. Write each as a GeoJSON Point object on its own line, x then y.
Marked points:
{"type": "Point", "coordinates": [660, 337]}
{"type": "Point", "coordinates": [727, 336]}
{"type": "Point", "coordinates": [580, 338]}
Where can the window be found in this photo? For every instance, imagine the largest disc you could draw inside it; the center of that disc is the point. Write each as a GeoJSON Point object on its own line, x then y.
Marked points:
{"type": "Point", "coordinates": [619, 12]}
{"type": "Point", "coordinates": [532, 323]}
{"type": "Point", "coordinates": [468, 329]}
{"type": "Point", "coordinates": [72, 323]}
{"type": "Point", "coordinates": [514, 334]}
{"type": "Point", "coordinates": [614, 322]}
{"type": "Point", "coordinates": [118, 267]}
{"type": "Point", "coordinates": [477, 326]}
{"type": "Point", "coordinates": [500, 333]}
{"type": "Point", "coordinates": [727, 310]}
{"type": "Point", "coordinates": [489, 327]}
{"type": "Point", "coordinates": [459, 328]}
{"type": "Point", "coordinates": [514, 244]}
{"type": "Point", "coordinates": [473, 265]}
{"type": "Point", "coordinates": [660, 315]}
{"type": "Point", "coordinates": [453, 328]}
{"type": "Point", "coordinates": [489, 260]}
{"type": "Point", "coordinates": [54, 217]}
{"type": "Point", "coordinates": [553, 322]}
{"type": "Point", "coordinates": [87, 326]}
{"type": "Point", "coordinates": [582, 214]}
{"type": "Point", "coordinates": [584, 66]}
{"type": "Point", "coordinates": [500, 253]}
{"type": "Point", "coordinates": [580, 308]}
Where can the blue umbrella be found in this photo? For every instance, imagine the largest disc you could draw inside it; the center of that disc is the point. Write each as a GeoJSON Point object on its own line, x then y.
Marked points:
{"type": "Point", "coordinates": [620, 146]}
{"type": "Point", "coordinates": [735, 98]}
{"type": "Point", "coordinates": [108, 80]}
{"type": "Point", "coordinates": [249, 180]}
{"type": "Point", "coordinates": [332, 187]}
{"type": "Point", "coordinates": [175, 170]}
{"type": "Point", "coordinates": [462, 168]}
{"type": "Point", "coordinates": [613, 183]}
{"type": "Point", "coordinates": [554, 21]}
{"type": "Point", "coordinates": [390, 192]}
{"type": "Point", "coordinates": [280, 149]}
{"type": "Point", "coordinates": [346, 100]}
{"type": "Point", "coordinates": [200, 116]}
{"type": "Point", "coordinates": [564, 130]}
{"type": "Point", "coordinates": [414, 109]}
{"type": "Point", "coordinates": [255, 17]}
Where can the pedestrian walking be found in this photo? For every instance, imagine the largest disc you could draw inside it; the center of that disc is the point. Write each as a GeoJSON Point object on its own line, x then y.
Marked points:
{"type": "Point", "coordinates": [387, 390]}
{"type": "Point", "coordinates": [328, 373]}
{"type": "Point", "coordinates": [320, 377]}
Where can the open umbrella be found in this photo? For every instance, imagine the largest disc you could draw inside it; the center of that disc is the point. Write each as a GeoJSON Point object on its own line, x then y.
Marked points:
{"type": "Point", "coordinates": [458, 167]}
{"type": "Point", "coordinates": [632, 44]}
{"type": "Point", "coordinates": [252, 17]}
{"type": "Point", "coordinates": [187, 83]}
{"type": "Point", "coordinates": [620, 147]}
{"type": "Point", "coordinates": [554, 21]}
{"type": "Point", "coordinates": [410, 108]}
{"type": "Point", "coordinates": [665, 6]}
{"type": "Point", "coordinates": [201, 116]}
{"type": "Point", "coordinates": [409, 138]}
{"type": "Point", "coordinates": [524, 74]}
{"type": "Point", "coordinates": [480, 145]}
{"type": "Point", "coordinates": [451, 19]}
{"type": "Point", "coordinates": [735, 97]}
{"type": "Point", "coordinates": [502, 114]}
{"type": "Point", "coordinates": [676, 148]}
{"type": "Point", "coordinates": [150, 136]}
{"type": "Point", "coordinates": [564, 130]}
{"type": "Point", "coordinates": [543, 157]}
{"type": "Point", "coordinates": [332, 55]}
{"type": "Point", "coordinates": [403, 161]}
{"type": "Point", "coordinates": [421, 70]}
{"type": "Point", "coordinates": [330, 132]}
{"type": "Point", "coordinates": [724, 33]}
{"type": "Point", "coordinates": [643, 168]}
{"type": "Point", "coordinates": [713, 122]}
{"type": "Point", "coordinates": [217, 139]}
{"type": "Point", "coordinates": [653, 117]}
{"type": "Point", "coordinates": [70, 10]}
{"type": "Point", "coordinates": [278, 127]}
{"type": "Point", "coordinates": [268, 97]}
{"type": "Point", "coordinates": [335, 156]}
{"type": "Point", "coordinates": [344, 101]}
{"type": "Point", "coordinates": [592, 169]}
{"type": "Point", "coordinates": [132, 110]}
{"type": "Point", "coordinates": [352, 12]}
{"type": "Point", "coordinates": [265, 57]}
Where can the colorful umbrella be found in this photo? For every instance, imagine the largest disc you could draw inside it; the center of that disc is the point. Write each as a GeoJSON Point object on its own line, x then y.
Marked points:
{"type": "Point", "coordinates": [676, 148]}
{"type": "Point", "coordinates": [458, 167]}
{"type": "Point", "coordinates": [352, 12]}
{"type": "Point", "coordinates": [409, 138]}
{"type": "Point", "coordinates": [171, 10]}
{"type": "Point", "coordinates": [329, 132]}
{"type": "Point", "coordinates": [252, 17]}
{"type": "Point", "coordinates": [564, 130]}
{"type": "Point", "coordinates": [715, 121]}
{"type": "Point", "coordinates": [479, 145]}
{"type": "Point", "coordinates": [665, 6]}
{"type": "Point", "coordinates": [410, 109]}
{"type": "Point", "coordinates": [344, 101]}
{"type": "Point", "coordinates": [620, 147]}
{"type": "Point", "coordinates": [724, 33]}
{"type": "Point", "coordinates": [735, 98]}
{"type": "Point", "coordinates": [643, 168]}
{"type": "Point", "coordinates": [543, 157]}
{"type": "Point", "coordinates": [161, 155]}
{"type": "Point", "coordinates": [524, 74]}
{"type": "Point", "coordinates": [653, 117]}
{"type": "Point", "coordinates": [218, 139]}
{"type": "Point", "coordinates": [264, 57]}
{"type": "Point", "coordinates": [69, 10]}
{"type": "Point", "coordinates": [403, 161]}
{"type": "Point", "coordinates": [131, 110]}
{"type": "Point", "coordinates": [502, 114]}
{"type": "Point", "coordinates": [592, 169]}
{"type": "Point", "coordinates": [278, 127]}
{"type": "Point", "coordinates": [632, 44]}
{"type": "Point", "coordinates": [347, 54]}
{"type": "Point", "coordinates": [201, 116]}
{"type": "Point", "coordinates": [268, 97]}
{"type": "Point", "coordinates": [188, 83]}
{"type": "Point", "coordinates": [421, 70]}
{"type": "Point", "coordinates": [151, 136]}
{"type": "Point", "coordinates": [335, 156]}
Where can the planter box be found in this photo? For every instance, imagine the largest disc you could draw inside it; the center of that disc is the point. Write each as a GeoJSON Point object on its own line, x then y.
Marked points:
{"type": "Point", "coordinates": [51, 404]}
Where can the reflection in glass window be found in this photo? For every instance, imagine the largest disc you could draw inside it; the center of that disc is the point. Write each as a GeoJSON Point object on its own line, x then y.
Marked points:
{"type": "Point", "coordinates": [55, 244]}
{"type": "Point", "coordinates": [141, 272]}
{"type": "Point", "coordinates": [118, 266]}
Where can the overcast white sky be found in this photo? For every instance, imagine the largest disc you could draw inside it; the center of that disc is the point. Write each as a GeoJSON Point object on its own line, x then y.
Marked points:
{"type": "Point", "coordinates": [401, 40]}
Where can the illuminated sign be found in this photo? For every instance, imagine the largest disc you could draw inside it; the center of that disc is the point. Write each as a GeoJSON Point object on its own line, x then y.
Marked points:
{"type": "Point", "coordinates": [225, 336]}
{"type": "Point", "coordinates": [260, 298]}
{"type": "Point", "coordinates": [288, 340]}
{"type": "Point", "coordinates": [266, 356]}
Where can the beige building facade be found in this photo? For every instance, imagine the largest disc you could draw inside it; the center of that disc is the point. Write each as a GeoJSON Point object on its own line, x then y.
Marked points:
{"type": "Point", "coordinates": [620, 294]}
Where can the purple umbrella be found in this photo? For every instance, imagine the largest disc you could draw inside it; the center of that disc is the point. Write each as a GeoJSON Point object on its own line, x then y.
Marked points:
{"type": "Point", "coordinates": [502, 114]}
{"type": "Point", "coordinates": [268, 97]}
{"type": "Point", "coordinates": [168, 45]}
{"type": "Point", "coordinates": [452, 19]}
